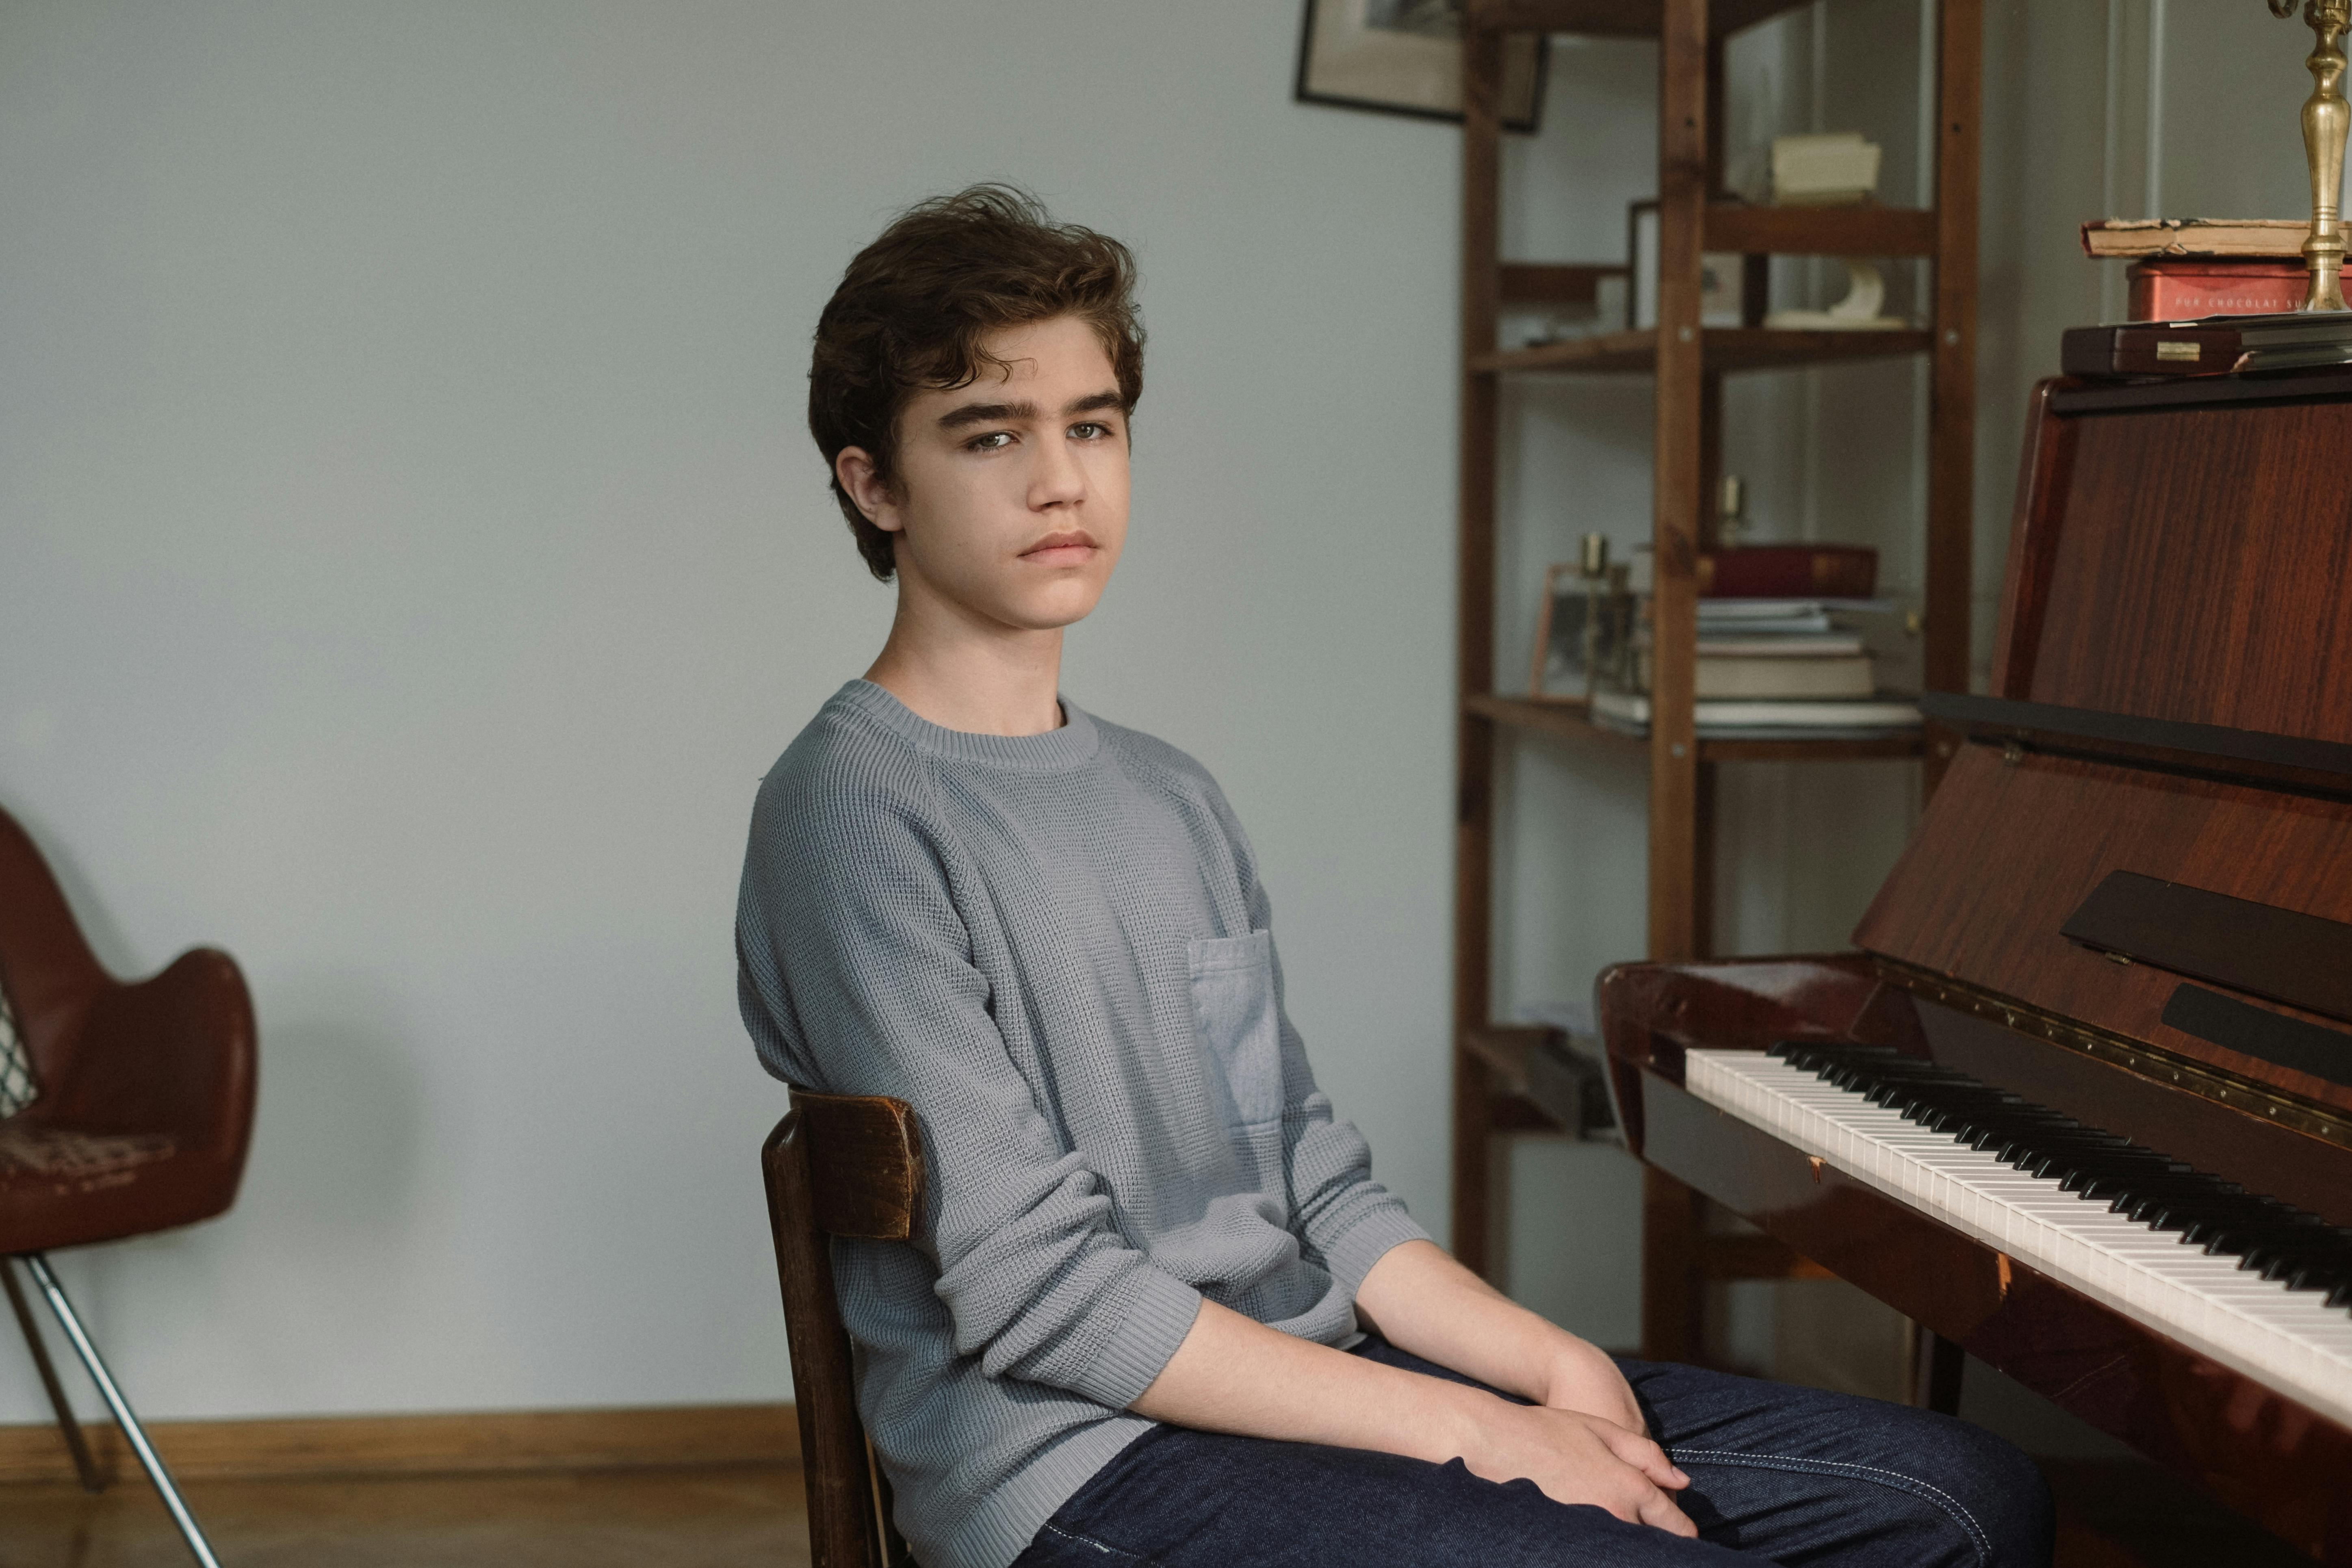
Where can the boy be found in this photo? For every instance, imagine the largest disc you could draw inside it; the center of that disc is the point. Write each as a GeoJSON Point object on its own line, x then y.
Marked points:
{"type": "Point", "coordinates": [1160, 1312]}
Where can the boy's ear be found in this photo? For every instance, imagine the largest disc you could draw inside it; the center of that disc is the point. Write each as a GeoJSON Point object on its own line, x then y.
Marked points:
{"type": "Point", "coordinates": [853, 468]}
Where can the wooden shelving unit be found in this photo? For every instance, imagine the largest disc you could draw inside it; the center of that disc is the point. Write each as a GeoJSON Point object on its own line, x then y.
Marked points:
{"type": "Point", "coordinates": [1688, 363]}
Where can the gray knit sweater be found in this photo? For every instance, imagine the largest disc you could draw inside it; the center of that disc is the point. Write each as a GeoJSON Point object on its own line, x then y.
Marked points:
{"type": "Point", "coordinates": [1055, 948]}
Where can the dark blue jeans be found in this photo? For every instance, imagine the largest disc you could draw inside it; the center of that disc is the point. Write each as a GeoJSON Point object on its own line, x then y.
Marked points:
{"type": "Point", "coordinates": [1778, 1474]}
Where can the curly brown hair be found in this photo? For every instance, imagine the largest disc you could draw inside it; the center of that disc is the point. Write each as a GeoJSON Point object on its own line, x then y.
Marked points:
{"type": "Point", "coordinates": [913, 308]}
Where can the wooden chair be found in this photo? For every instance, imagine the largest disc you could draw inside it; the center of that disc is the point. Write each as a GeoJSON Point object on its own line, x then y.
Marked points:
{"type": "Point", "coordinates": [847, 1165]}
{"type": "Point", "coordinates": [139, 1109]}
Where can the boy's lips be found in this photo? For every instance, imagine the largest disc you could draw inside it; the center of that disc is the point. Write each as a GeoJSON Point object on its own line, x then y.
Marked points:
{"type": "Point", "coordinates": [1065, 549]}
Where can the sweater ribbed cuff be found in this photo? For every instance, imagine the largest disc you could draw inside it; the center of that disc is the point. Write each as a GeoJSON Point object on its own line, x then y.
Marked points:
{"type": "Point", "coordinates": [1157, 1317]}
{"type": "Point", "coordinates": [1350, 1254]}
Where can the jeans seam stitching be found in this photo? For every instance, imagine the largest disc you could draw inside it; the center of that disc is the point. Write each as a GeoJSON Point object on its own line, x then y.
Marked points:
{"type": "Point", "coordinates": [1102, 1546]}
{"type": "Point", "coordinates": [1942, 1499]}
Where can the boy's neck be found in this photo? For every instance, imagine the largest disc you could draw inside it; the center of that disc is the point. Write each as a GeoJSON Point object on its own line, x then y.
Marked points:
{"type": "Point", "coordinates": [1000, 685]}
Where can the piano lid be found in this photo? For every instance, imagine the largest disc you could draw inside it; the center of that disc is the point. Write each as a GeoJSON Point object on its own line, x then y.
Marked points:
{"type": "Point", "coordinates": [2148, 837]}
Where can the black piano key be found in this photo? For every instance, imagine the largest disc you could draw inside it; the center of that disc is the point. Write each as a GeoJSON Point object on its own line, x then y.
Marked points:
{"type": "Point", "coordinates": [2281, 1243]}
{"type": "Point", "coordinates": [2315, 1275]}
{"type": "Point", "coordinates": [2107, 1177]}
{"type": "Point", "coordinates": [2282, 1251]}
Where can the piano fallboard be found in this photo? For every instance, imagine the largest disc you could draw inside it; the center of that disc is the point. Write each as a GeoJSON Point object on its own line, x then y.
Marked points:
{"type": "Point", "coordinates": [2014, 854]}
{"type": "Point", "coordinates": [2256, 1449]}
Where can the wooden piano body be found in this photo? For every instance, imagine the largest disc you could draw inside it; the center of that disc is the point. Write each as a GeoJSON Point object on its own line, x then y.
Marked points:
{"type": "Point", "coordinates": [2130, 900]}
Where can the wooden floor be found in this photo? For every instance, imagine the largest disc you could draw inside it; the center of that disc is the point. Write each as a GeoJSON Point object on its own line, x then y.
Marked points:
{"type": "Point", "coordinates": [727, 1517]}
{"type": "Point", "coordinates": [2125, 1516]}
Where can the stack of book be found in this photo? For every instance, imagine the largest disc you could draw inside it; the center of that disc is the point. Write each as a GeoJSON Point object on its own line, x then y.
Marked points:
{"type": "Point", "coordinates": [1775, 669]}
{"type": "Point", "coordinates": [2185, 268]}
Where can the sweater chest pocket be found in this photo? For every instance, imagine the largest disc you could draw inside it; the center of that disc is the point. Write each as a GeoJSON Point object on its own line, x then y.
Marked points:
{"type": "Point", "coordinates": [1234, 1020]}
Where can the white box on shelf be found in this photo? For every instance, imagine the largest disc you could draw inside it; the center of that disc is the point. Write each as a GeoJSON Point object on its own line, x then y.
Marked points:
{"type": "Point", "coordinates": [1837, 169]}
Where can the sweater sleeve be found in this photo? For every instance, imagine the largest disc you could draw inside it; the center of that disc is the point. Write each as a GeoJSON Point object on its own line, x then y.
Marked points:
{"type": "Point", "coordinates": [857, 978]}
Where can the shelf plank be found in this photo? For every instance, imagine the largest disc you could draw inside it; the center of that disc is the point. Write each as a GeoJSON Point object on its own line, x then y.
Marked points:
{"type": "Point", "coordinates": [1557, 283]}
{"type": "Point", "coordinates": [1567, 719]}
{"type": "Point", "coordinates": [1532, 1066]}
{"type": "Point", "coordinates": [1614, 18]}
{"type": "Point", "coordinates": [1503, 1050]}
{"type": "Point", "coordinates": [1821, 231]}
{"type": "Point", "coordinates": [1724, 348]}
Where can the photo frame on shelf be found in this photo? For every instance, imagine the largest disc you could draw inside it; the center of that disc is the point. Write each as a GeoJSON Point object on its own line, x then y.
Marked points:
{"type": "Point", "coordinates": [1556, 665]}
{"type": "Point", "coordinates": [1561, 667]}
{"type": "Point", "coordinates": [1404, 57]}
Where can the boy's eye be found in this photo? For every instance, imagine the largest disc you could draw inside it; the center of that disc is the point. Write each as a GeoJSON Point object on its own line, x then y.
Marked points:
{"type": "Point", "coordinates": [1091, 430]}
{"type": "Point", "coordinates": [995, 440]}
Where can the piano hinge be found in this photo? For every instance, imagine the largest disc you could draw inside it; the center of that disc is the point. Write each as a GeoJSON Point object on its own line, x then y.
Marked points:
{"type": "Point", "coordinates": [2117, 1050]}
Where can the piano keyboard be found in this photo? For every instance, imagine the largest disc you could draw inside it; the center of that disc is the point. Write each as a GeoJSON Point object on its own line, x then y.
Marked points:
{"type": "Point", "coordinates": [2244, 1279]}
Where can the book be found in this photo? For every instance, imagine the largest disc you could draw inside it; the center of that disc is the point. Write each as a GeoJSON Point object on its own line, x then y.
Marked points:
{"type": "Point", "coordinates": [1630, 711]}
{"type": "Point", "coordinates": [2174, 290]}
{"type": "Point", "coordinates": [1727, 610]}
{"type": "Point", "coordinates": [1835, 589]}
{"type": "Point", "coordinates": [1783, 571]}
{"type": "Point", "coordinates": [2210, 345]}
{"type": "Point", "coordinates": [1736, 640]}
{"type": "Point", "coordinates": [1742, 676]}
{"type": "Point", "coordinates": [1780, 629]}
{"type": "Point", "coordinates": [2135, 236]}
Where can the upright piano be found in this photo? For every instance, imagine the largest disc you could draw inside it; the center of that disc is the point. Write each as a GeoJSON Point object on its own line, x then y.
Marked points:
{"type": "Point", "coordinates": [2080, 1103]}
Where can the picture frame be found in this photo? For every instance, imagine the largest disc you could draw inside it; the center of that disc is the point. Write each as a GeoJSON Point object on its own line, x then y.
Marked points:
{"type": "Point", "coordinates": [1556, 668]}
{"type": "Point", "coordinates": [1570, 661]}
{"type": "Point", "coordinates": [1404, 57]}
{"type": "Point", "coordinates": [1559, 651]}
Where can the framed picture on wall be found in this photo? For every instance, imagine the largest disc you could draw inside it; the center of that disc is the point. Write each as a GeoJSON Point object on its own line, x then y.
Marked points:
{"type": "Point", "coordinates": [1404, 57]}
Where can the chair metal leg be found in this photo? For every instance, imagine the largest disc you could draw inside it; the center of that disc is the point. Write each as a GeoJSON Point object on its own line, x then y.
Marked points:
{"type": "Point", "coordinates": [86, 1468]}
{"type": "Point", "coordinates": [133, 1432]}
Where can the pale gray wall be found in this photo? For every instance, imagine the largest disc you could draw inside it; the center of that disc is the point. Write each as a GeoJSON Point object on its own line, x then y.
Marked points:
{"type": "Point", "coordinates": [410, 558]}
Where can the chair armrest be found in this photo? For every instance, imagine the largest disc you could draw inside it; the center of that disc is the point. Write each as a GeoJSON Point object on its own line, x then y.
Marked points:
{"type": "Point", "coordinates": [172, 1054]}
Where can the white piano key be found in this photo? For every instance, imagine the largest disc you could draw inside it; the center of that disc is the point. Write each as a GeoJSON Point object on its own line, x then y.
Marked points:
{"type": "Point", "coordinates": [2290, 1339]}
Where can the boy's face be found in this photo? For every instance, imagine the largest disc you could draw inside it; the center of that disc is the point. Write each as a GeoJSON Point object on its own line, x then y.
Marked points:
{"type": "Point", "coordinates": [1010, 504]}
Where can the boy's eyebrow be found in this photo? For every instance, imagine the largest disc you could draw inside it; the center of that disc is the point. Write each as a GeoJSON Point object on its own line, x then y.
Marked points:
{"type": "Point", "coordinates": [985, 413]}
{"type": "Point", "coordinates": [991, 413]}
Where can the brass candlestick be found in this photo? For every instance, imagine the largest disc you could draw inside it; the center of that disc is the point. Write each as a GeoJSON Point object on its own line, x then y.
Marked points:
{"type": "Point", "coordinates": [2325, 116]}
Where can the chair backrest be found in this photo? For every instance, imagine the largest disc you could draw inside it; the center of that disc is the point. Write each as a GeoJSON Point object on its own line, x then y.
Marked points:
{"type": "Point", "coordinates": [52, 978]}
{"type": "Point", "coordinates": [847, 1165]}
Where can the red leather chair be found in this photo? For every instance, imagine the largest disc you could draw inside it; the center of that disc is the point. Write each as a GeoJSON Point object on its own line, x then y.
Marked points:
{"type": "Point", "coordinates": [142, 1107]}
